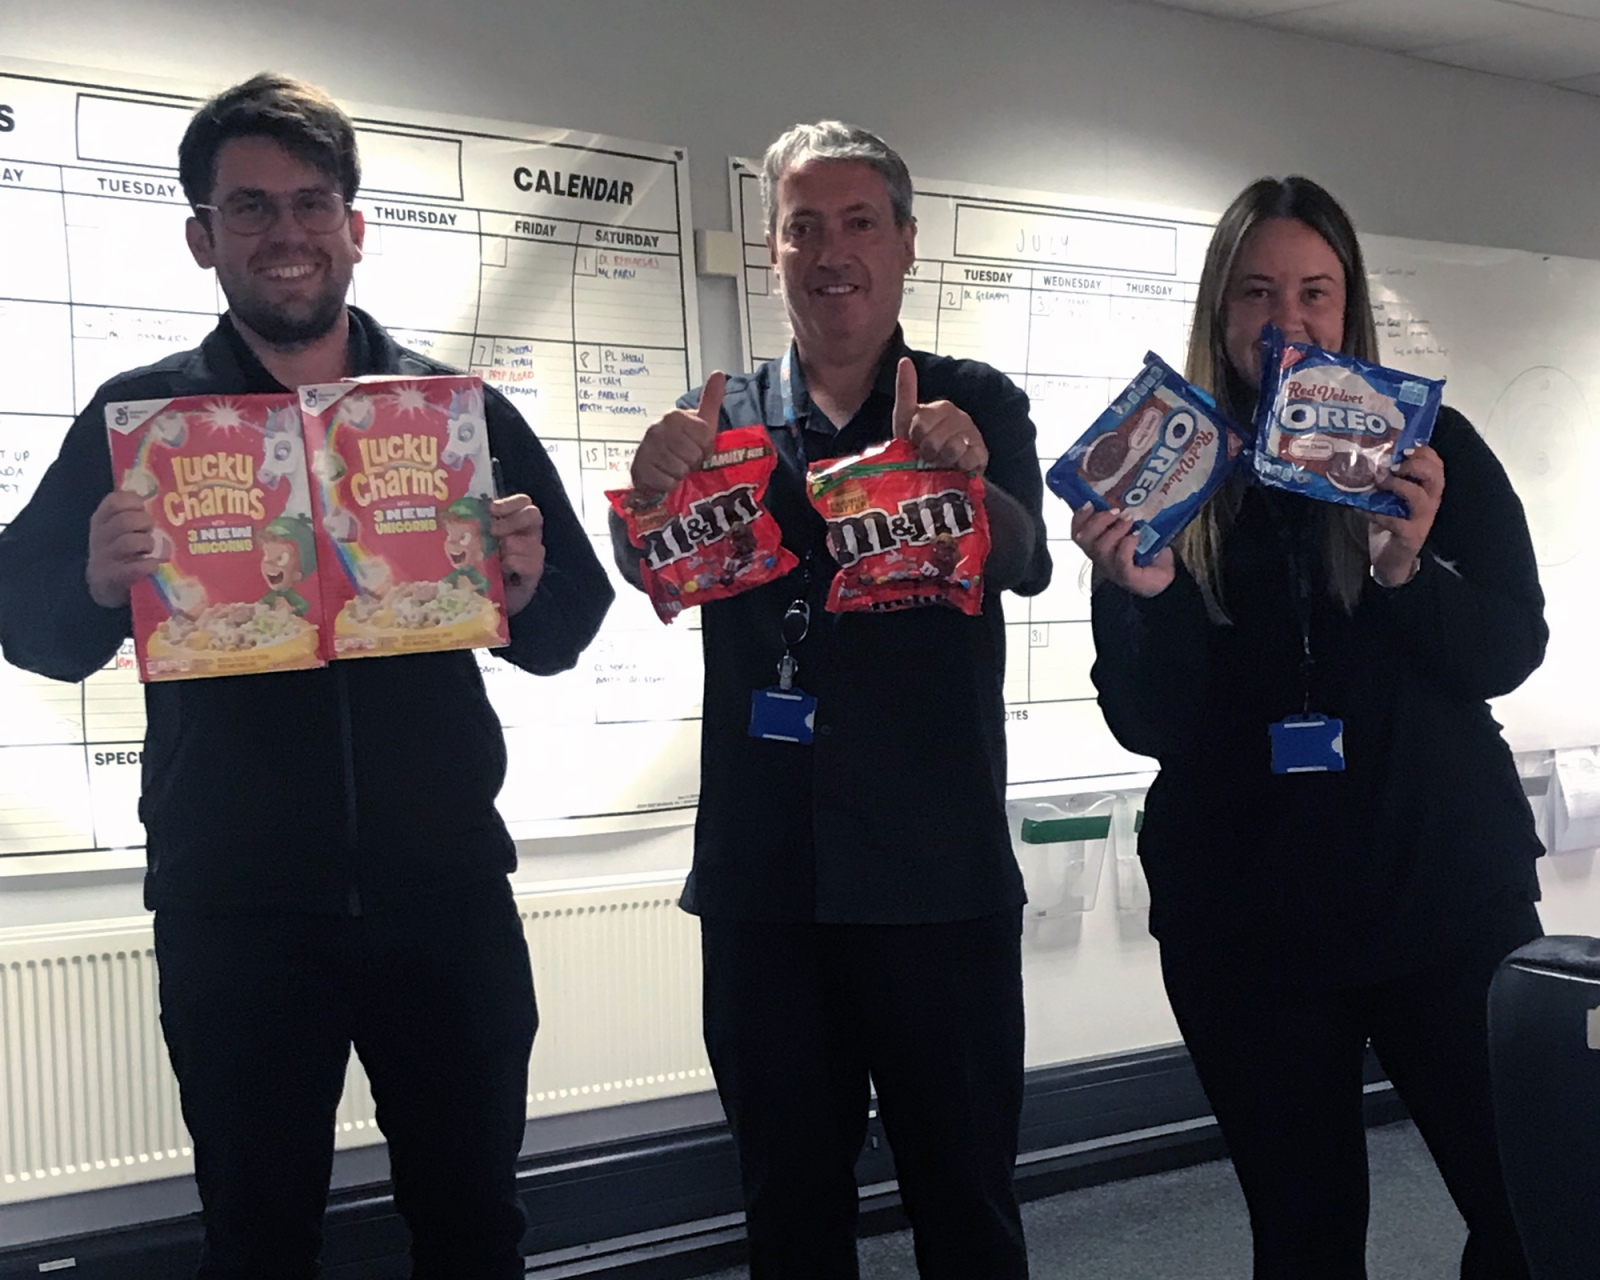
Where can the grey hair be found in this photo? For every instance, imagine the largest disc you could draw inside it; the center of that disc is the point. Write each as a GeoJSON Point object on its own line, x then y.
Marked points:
{"type": "Point", "coordinates": [834, 140]}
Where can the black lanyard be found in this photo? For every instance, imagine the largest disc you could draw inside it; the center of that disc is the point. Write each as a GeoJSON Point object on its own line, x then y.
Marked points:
{"type": "Point", "coordinates": [790, 419]}
{"type": "Point", "coordinates": [796, 622]}
{"type": "Point", "coordinates": [1301, 588]}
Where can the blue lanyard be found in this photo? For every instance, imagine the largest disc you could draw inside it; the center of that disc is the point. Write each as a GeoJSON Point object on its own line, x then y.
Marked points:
{"type": "Point", "coordinates": [786, 386]}
{"type": "Point", "coordinates": [786, 391]}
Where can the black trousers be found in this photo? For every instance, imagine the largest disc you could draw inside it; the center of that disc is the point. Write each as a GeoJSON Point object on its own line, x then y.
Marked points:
{"type": "Point", "coordinates": [259, 1014]}
{"type": "Point", "coordinates": [1282, 1064]}
{"type": "Point", "coordinates": [797, 1016]}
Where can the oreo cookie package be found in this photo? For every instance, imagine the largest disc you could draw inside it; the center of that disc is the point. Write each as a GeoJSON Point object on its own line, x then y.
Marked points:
{"type": "Point", "coordinates": [1329, 426]}
{"type": "Point", "coordinates": [1158, 453]}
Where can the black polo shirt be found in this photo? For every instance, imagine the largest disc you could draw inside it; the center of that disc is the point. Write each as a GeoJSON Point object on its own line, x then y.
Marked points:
{"type": "Point", "coordinates": [896, 813]}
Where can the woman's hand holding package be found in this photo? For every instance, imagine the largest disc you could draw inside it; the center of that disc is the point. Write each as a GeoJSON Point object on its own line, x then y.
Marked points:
{"type": "Point", "coordinates": [1395, 544]}
{"type": "Point", "coordinates": [1108, 539]}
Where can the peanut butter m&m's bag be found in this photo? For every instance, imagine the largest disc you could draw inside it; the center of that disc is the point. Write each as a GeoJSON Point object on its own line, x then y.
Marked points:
{"type": "Point", "coordinates": [711, 537]}
{"type": "Point", "coordinates": [224, 480]}
{"type": "Point", "coordinates": [1158, 452]}
{"type": "Point", "coordinates": [904, 533]}
{"type": "Point", "coordinates": [1329, 426]}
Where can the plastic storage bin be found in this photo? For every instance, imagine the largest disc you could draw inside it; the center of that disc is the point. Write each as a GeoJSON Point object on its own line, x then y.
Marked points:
{"type": "Point", "coordinates": [1133, 891]}
{"type": "Point", "coordinates": [1061, 847]}
{"type": "Point", "coordinates": [1537, 770]}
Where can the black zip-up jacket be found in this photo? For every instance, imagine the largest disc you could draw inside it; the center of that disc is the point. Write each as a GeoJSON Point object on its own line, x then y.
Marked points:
{"type": "Point", "coordinates": [1375, 871]}
{"type": "Point", "coordinates": [896, 812]}
{"type": "Point", "coordinates": [340, 790]}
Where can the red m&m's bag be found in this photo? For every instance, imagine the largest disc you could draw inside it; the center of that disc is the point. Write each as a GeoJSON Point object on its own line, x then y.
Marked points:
{"type": "Point", "coordinates": [904, 533]}
{"type": "Point", "coordinates": [710, 538]}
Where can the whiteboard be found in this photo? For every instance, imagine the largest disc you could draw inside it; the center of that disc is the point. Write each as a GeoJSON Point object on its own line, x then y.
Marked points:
{"type": "Point", "coordinates": [1518, 336]}
{"type": "Point", "coordinates": [553, 262]}
{"type": "Point", "coordinates": [1066, 294]}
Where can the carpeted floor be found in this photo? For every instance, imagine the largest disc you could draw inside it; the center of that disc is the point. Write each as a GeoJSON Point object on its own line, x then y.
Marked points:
{"type": "Point", "coordinates": [1190, 1225]}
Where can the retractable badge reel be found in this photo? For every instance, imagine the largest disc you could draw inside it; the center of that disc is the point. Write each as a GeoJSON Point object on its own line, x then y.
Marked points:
{"type": "Point", "coordinates": [784, 712]}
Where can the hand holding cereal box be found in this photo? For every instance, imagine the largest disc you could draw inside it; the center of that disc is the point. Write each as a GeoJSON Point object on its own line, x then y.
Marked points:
{"type": "Point", "coordinates": [224, 479]}
{"type": "Point", "coordinates": [403, 486]}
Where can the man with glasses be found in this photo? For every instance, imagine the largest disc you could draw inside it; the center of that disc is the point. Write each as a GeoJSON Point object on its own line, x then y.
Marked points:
{"type": "Point", "coordinates": [325, 861]}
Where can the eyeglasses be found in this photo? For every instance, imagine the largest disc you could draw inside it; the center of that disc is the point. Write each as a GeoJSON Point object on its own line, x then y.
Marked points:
{"type": "Point", "coordinates": [250, 213]}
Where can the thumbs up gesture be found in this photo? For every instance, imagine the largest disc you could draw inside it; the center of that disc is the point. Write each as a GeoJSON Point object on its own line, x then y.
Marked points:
{"type": "Point", "coordinates": [679, 442]}
{"type": "Point", "coordinates": [944, 435]}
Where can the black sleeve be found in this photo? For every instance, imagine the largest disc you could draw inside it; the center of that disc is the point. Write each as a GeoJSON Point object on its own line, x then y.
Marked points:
{"type": "Point", "coordinates": [1151, 667]}
{"type": "Point", "coordinates": [1009, 436]}
{"type": "Point", "coordinates": [623, 552]}
{"type": "Point", "coordinates": [48, 622]}
{"type": "Point", "coordinates": [574, 593]}
{"type": "Point", "coordinates": [1473, 615]}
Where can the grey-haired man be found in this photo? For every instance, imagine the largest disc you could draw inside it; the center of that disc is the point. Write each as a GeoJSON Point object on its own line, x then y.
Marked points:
{"type": "Point", "coordinates": [859, 901]}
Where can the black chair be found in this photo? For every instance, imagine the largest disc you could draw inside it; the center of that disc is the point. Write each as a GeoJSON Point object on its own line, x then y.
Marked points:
{"type": "Point", "coordinates": [1544, 1058]}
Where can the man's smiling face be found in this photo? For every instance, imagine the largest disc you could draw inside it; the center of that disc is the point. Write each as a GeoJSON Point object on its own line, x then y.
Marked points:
{"type": "Point", "coordinates": [841, 258]}
{"type": "Point", "coordinates": [286, 284]}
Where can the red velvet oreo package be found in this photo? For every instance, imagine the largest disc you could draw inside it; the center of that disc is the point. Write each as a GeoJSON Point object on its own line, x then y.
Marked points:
{"type": "Point", "coordinates": [1329, 426]}
{"type": "Point", "coordinates": [903, 533]}
{"type": "Point", "coordinates": [710, 538]}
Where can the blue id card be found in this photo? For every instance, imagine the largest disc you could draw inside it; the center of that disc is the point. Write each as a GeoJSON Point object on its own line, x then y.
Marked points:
{"type": "Point", "coordinates": [1308, 744]}
{"type": "Point", "coordinates": [782, 715]}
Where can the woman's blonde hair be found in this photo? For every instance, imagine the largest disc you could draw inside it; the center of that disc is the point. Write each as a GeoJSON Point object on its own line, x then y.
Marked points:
{"type": "Point", "coordinates": [1344, 537]}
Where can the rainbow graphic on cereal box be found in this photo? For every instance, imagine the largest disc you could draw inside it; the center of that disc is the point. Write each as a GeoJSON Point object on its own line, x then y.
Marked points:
{"type": "Point", "coordinates": [225, 481]}
{"type": "Point", "coordinates": [402, 486]}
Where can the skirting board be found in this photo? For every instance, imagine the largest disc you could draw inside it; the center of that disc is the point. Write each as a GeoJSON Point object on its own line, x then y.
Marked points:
{"type": "Point", "coordinates": [667, 1205]}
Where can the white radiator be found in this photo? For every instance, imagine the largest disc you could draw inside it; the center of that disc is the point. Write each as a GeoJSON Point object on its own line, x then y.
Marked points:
{"type": "Point", "coordinates": [87, 1099]}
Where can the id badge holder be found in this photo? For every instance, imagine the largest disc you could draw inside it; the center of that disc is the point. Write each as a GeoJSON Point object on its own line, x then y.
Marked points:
{"type": "Point", "coordinates": [784, 713]}
{"type": "Point", "coordinates": [1307, 744]}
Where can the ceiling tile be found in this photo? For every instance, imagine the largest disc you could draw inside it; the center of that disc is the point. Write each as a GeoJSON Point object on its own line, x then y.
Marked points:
{"type": "Point", "coordinates": [1401, 25]}
{"type": "Point", "coordinates": [1543, 47]}
{"type": "Point", "coordinates": [1589, 9]}
{"type": "Point", "coordinates": [1547, 41]}
{"type": "Point", "coordinates": [1582, 84]}
{"type": "Point", "coordinates": [1248, 10]}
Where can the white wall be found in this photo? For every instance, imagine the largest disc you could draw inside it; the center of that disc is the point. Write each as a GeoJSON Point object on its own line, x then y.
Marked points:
{"type": "Point", "coordinates": [1078, 96]}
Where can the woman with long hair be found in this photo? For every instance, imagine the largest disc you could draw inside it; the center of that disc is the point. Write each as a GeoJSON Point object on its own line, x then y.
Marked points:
{"type": "Point", "coordinates": [1302, 914]}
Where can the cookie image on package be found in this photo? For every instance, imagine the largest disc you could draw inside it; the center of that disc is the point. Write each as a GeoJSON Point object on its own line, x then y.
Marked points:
{"type": "Point", "coordinates": [1354, 469]}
